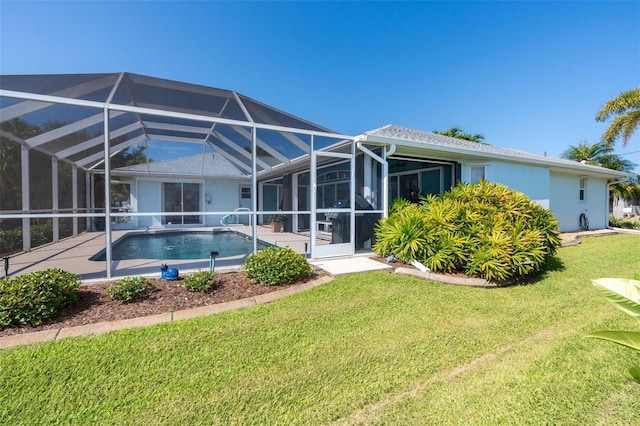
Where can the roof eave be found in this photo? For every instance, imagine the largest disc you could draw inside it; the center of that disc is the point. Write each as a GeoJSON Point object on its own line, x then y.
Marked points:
{"type": "Point", "coordinates": [578, 168]}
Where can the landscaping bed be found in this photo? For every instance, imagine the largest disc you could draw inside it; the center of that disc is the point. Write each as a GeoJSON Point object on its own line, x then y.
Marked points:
{"type": "Point", "coordinates": [94, 306]}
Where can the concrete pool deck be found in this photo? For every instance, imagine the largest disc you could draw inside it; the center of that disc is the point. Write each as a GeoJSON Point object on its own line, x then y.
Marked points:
{"type": "Point", "coordinates": [72, 254]}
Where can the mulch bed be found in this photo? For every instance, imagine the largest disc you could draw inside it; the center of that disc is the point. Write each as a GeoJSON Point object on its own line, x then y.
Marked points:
{"type": "Point", "coordinates": [94, 306]}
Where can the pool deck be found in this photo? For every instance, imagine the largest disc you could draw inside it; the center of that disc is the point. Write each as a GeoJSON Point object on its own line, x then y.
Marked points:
{"type": "Point", "coordinates": [72, 254]}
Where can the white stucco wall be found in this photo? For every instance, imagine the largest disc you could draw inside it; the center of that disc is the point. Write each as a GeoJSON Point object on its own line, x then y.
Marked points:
{"type": "Point", "coordinates": [567, 206]}
{"type": "Point", "coordinates": [225, 196]}
{"type": "Point", "coordinates": [530, 180]}
{"type": "Point", "coordinates": [147, 198]}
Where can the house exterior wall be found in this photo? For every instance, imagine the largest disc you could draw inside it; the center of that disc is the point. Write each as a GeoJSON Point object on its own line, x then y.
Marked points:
{"type": "Point", "coordinates": [530, 180]}
{"type": "Point", "coordinates": [147, 198]}
{"type": "Point", "coordinates": [567, 206]}
{"type": "Point", "coordinates": [225, 196]}
{"type": "Point", "coordinates": [559, 192]}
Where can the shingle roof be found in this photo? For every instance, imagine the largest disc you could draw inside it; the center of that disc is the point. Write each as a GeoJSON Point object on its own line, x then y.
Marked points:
{"type": "Point", "coordinates": [435, 140]}
{"type": "Point", "coordinates": [214, 166]}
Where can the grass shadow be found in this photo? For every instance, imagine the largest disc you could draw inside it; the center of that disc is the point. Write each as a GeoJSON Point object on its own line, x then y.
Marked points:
{"type": "Point", "coordinates": [552, 264]}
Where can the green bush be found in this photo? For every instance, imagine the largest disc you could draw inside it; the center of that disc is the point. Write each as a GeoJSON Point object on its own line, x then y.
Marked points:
{"type": "Point", "coordinates": [202, 281]}
{"type": "Point", "coordinates": [485, 230]}
{"type": "Point", "coordinates": [622, 222]}
{"type": "Point", "coordinates": [130, 289]}
{"type": "Point", "coordinates": [34, 297]}
{"type": "Point", "coordinates": [276, 265]}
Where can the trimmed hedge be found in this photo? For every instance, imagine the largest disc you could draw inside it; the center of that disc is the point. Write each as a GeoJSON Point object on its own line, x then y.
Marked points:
{"type": "Point", "coordinates": [484, 230]}
{"type": "Point", "coordinates": [34, 297]}
{"type": "Point", "coordinates": [276, 265]}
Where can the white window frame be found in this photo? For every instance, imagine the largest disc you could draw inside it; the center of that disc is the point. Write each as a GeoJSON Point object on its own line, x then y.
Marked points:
{"type": "Point", "coordinates": [582, 192]}
{"type": "Point", "coordinates": [477, 168]}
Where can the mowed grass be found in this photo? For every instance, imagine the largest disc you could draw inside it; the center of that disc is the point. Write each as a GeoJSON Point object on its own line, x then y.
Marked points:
{"type": "Point", "coordinates": [371, 348]}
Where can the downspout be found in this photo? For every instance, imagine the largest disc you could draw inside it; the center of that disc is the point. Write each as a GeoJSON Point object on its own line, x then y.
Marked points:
{"type": "Point", "coordinates": [607, 198]}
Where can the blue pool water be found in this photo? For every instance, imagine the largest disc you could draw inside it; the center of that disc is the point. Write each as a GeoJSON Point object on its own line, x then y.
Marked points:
{"type": "Point", "coordinates": [180, 245]}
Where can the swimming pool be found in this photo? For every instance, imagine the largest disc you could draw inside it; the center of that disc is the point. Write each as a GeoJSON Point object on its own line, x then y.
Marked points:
{"type": "Point", "coordinates": [180, 245]}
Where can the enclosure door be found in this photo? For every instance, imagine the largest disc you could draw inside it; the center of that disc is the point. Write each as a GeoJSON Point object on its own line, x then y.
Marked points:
{"type": "Point", "coordinates": [332, 230]}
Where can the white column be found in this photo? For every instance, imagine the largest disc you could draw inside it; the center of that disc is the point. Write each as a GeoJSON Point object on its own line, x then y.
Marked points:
{"type": "Point", "coordinates": [88, 194]}
{"type": "Point", "coordinates": [107, 193]}
{"type": "Point", "coordinates": [74, 195]}
{"type": "Point", "coordinates": [26, 204]}
{"type": "Point", "coordinates": [55, 199]}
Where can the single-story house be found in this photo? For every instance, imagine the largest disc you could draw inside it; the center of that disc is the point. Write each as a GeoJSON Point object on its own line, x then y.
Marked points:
{"type": "Point", "coordinates": [212, 157]}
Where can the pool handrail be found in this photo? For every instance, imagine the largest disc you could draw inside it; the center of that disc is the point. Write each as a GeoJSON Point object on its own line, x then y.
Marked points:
{"type": "Point", "coordinates": [239, 209]}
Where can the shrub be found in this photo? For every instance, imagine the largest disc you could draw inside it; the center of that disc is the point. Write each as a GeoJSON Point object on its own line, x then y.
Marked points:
{"type": "Point", "coordinates": [130, 289]}
{"type": "Point", "coordinates": [485, 230]}
{"type": "Point", "coordinates": [276, 265]}
{"type": "Point", "coordinates": [34, 297]}
{"type": "Point", "coordinates": [202, 281]}
{"type": "Point", "coordinates": [622, 222]}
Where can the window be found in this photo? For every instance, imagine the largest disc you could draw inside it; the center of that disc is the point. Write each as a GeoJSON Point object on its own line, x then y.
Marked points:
{"type": "Point", "coordinates": [583, 189]}
{"type": "Point", "coordinates": [477, 174]}
{"type": "Point", "coordinates": [245, 192]}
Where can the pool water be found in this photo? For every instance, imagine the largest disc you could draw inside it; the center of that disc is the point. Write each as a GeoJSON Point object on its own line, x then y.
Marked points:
{"type": "Point", "coordinates": [179, 246]}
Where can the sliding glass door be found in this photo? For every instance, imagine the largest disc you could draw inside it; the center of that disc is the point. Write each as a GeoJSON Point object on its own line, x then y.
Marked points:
{"type": "Point", "coordinates": [181, 198]}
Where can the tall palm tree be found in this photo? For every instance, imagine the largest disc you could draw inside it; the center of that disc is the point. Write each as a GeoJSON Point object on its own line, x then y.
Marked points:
{"type": "Point", "coordinates": [599, 154]}
{"type": "Point", "coordinates": [626, 109]}
{"type": "Point", "coordinates": [459, 133]}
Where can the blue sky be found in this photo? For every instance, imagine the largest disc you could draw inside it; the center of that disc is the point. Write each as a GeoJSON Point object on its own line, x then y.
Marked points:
{"type": "Point", "coordinates": [528, 75]}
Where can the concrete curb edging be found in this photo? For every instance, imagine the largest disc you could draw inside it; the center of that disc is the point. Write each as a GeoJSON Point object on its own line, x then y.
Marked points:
{"type": "Point", "coordinates": [105, 327]}
{"type": "Point", "coordinates": [447, 279]}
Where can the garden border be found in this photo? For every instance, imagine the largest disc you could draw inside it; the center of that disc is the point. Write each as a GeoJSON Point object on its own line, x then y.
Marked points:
{"type": "Point", "coordinates": [105, 327]}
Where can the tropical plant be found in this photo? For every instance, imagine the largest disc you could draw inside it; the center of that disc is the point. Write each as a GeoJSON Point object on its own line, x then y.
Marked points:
{"type": "Point", "coordinates": [276, 218]}
{"type": "Point", "coordinates": [459, 133]}
{"type": "Point", "coordinates": [485, 230]}
{"type": "Point", "coordinates": [626, 109]}
{"type": "Point", "coordinates": [624, 294]}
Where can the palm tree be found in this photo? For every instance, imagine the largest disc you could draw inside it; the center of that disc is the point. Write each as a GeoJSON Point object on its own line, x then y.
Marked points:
{"type": "Point", "coordinates": [459, 133]}
{"type": "Point", "coordinates": [585, 153]}
{"type": "Point", "coordinates": [626, 109]}
{"type": "Point", "coordinates": [598, 154]}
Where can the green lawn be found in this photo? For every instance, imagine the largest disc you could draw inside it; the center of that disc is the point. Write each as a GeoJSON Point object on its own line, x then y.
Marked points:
{"type": "Point", "coordinates": [368, 348]}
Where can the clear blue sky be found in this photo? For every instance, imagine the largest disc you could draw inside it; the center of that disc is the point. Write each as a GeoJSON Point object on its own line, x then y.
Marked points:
{"type": "Point", "coordinates": [528, 75]}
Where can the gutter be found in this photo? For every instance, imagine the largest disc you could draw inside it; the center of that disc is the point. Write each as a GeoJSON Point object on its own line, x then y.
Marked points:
{"type": "Point", "coordinates": [547, 162]}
